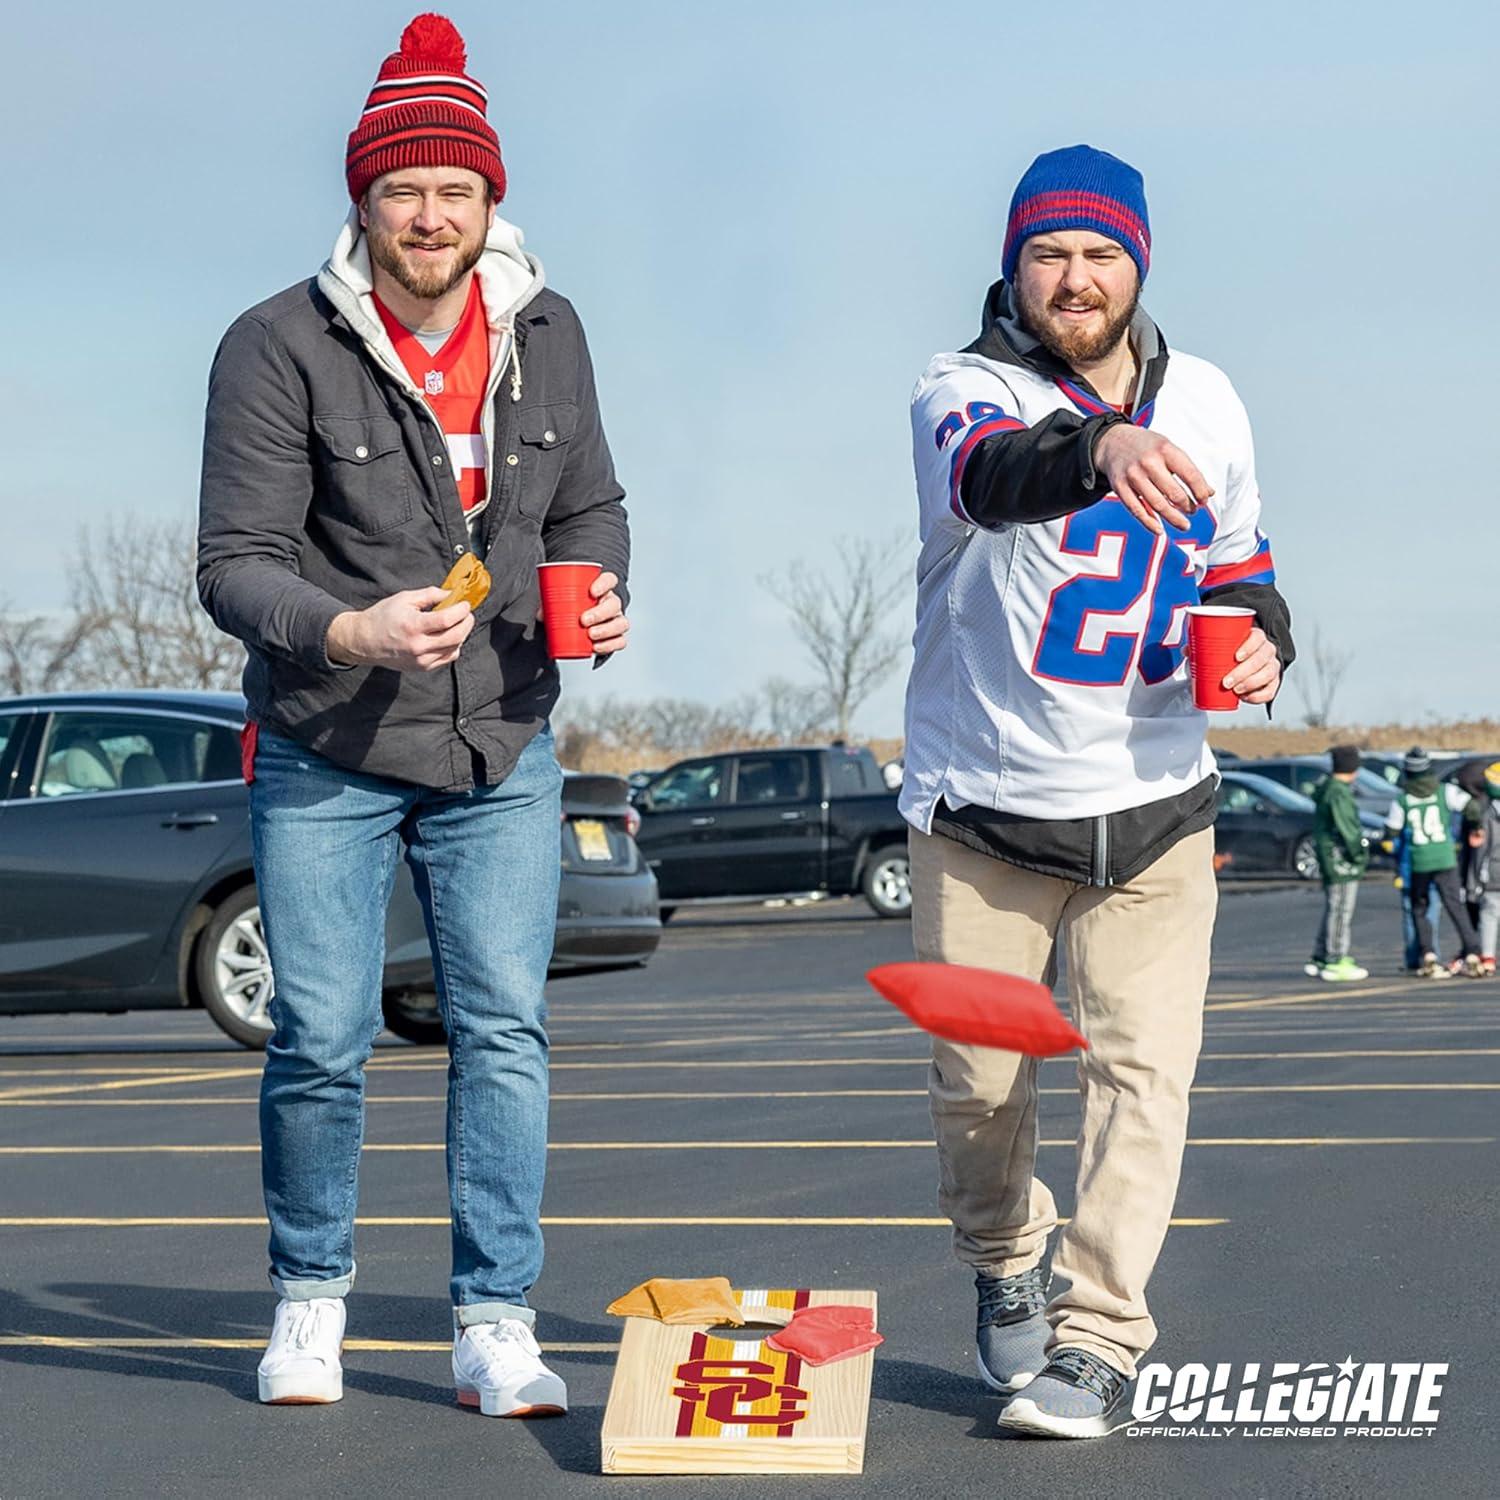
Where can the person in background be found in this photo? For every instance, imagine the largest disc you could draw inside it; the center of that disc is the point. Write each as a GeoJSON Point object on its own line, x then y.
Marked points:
{"type": "Point", "coordinates": [1343, 857]}
{"type": "Point", "coordinates": [1481, 818]}
{"type": "Point", "coordinates": [1421, 813]}
{"type": "Point", "coordinates": [1411, 946]}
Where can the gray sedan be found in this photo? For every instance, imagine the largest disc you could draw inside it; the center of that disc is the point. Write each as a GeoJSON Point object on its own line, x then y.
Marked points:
{"type": "Point", "coordinates": [126, 878]}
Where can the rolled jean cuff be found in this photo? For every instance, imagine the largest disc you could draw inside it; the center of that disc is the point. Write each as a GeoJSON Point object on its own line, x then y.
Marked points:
{"type": "Point", "coordinates": [492, 1312]}
{"type": "Point", "coordinates": [305, 1291]}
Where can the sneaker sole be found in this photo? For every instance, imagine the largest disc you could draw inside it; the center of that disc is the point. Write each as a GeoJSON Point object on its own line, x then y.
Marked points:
{"type": "Point", "coordinates": [476, 1401]}
{"type": "Point", "coordinates": [273, 1393]}
{"type": "Point", "coordinates": [1025, 1416]}
{"type": "Point", "coordinates": [1018, 1384]}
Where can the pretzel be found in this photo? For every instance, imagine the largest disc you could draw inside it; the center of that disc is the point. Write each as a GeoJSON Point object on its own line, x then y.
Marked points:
{"type": "Point", "coordinates": [468, 582]}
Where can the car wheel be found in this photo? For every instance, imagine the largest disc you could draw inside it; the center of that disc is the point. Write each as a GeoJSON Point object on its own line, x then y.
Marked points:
{"type": "Point", "coordinates": [232, 966]}
{"type": "Point", "coordinates": [414, 1018]}
{"type": "Point", "coordinates": [1305, 858]}
{"type": "Point", "coordinates": [666, 913]}
{"type": "Point", "coordinates": [886, 882]}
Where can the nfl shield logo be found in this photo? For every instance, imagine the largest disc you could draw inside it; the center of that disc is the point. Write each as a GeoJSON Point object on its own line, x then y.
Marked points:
{"type": "Point", "coordinates": [434, 382]}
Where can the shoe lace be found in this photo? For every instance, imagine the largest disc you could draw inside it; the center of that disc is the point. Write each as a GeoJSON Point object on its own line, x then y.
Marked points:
{"type": "Point", "coordinates": [495, 1338]}
{"type": "Point", "coordinates": [1001, 1298]}
{"type": "Point", "coordinates": [1086, 1370]}
{"type": "Point", "coordinates": [305, 1324]}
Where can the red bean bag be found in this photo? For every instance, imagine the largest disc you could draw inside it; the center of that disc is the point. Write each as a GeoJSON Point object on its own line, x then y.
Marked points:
{"type": "Point", "coordinates": [979, 1006]}
{"type": "Point", "coordinates": [833, 1331]}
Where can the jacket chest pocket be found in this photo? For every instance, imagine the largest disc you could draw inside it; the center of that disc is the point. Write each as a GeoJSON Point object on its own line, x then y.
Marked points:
{"type": "Point", "coordinates": [543, 434]}
{"type": "Point", "coordinates": [364, 478]}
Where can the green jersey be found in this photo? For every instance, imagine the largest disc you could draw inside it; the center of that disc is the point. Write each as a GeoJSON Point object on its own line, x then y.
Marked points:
{"type": "Point", "coordinates": [1425, 825]}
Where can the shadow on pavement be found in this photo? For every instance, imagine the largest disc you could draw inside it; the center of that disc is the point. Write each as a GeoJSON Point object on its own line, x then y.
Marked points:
{"type": "Point", "coordinates": [121, 1310]}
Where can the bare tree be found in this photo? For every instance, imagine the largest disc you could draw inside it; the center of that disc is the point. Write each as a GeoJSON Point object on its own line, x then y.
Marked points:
{"type": "Point", "coordinates": [137, 583]}
{"type": "Point", "coordinates": [1318, 678]}
{"type": "Point", "coordinates": [794, 712]}
{"type": "Point", "coordinates": [40, 653]}
{"type": "Point", "coordinates": [839, 620]}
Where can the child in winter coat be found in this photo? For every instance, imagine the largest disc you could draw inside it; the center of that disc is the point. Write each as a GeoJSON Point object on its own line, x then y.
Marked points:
{"type": "Point", "coordinates": [1342, 858]}
{"type": "Point", "coordinates": [1482, 875]}
{"type": "Point", "coordinates": [1421, 814]}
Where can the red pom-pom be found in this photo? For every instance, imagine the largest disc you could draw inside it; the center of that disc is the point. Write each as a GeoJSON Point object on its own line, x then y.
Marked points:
{"type": "Point", "coordinates": [434, 39]}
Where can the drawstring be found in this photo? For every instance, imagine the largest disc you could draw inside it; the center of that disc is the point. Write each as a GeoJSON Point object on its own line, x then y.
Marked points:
{"type": "Point", "coordinates": [515, 368]}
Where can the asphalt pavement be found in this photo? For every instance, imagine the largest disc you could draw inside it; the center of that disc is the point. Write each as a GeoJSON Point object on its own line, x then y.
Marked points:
{"type": "Point", "coordinates": [746, 1106]}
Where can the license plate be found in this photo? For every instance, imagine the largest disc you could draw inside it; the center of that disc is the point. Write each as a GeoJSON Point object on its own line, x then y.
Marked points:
{"type": "Point", "coordinates": [593, 841]}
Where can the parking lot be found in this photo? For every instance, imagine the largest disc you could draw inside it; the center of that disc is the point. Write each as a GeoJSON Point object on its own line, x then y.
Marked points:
{"type": "Point", "coordinates": [746, 1106]}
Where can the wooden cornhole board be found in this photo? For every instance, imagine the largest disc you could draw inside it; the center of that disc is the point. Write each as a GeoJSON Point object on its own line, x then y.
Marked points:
{"type": "Point", "coordinates": [695, 1400]}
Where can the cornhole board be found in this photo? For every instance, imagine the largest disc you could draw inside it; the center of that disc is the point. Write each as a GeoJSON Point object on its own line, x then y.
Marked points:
{"type": "Point", "coordinates": [717, 1400]}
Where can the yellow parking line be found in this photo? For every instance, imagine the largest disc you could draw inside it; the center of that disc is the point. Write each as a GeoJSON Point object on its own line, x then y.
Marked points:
{"type": "Point", "coordinates": [368, 1346]}
{"type": "Point", "coordinates": [1361, 1052]}
{"type": "Point", "coordinates": [242, 1149]}
{"type": "Point", "coordinates": [176, 1071]}
{"type": "Point", "coordinates": [1323, 996]}
{"type": "Point", "coordinates": [188, 1076]}
{"type": "Point", "coordinates": [548, 1221]}
{"type": "Point", "coordinates": [1066, 1093]}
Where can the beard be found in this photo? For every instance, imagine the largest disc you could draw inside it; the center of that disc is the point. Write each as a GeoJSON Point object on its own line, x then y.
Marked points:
{"type": "Point", "coordinates": [1073, 345]}
{"type": "Point", "coordinates": [426, 281]}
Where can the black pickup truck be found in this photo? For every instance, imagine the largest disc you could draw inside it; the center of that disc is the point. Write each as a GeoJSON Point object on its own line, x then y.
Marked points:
{"type": "Point", "coordinates": [756, 824]}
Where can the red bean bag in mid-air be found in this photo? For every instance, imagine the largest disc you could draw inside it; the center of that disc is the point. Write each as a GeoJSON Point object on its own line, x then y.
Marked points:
{"type": "Point", "coordinates": [978, 1006]}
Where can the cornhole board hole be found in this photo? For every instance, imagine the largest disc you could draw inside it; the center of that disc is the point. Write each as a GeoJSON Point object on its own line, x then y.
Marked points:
{"type": "Point", "coordinates": [718, 1400]}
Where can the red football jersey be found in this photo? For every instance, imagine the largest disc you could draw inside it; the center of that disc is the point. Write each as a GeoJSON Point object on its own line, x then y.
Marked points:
{"type": "Point", "coordinates": [453, 381]}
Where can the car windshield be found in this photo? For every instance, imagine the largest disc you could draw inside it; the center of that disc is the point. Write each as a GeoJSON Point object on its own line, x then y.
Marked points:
{"type": "Point", "coordinates": [1271, 791]}
{"type": "Point", "coordinates": [1374, 784]}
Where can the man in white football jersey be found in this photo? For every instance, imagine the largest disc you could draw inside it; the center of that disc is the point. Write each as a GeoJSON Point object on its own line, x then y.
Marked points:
{"type": "Point", "coordinates": [1080, 488]}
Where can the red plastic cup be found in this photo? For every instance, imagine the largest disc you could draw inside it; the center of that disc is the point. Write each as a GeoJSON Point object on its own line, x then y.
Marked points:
{"type": "Point", "coordinates": [1214, 633]}
{"type": "Point", "coordinates": [565, 597]}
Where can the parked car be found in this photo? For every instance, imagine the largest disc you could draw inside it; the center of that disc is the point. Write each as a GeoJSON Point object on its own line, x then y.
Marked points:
{"type": "Point", "coordinates": [1373, 793]}
{"type": "Point", "coordinates": [126, 878]}
{"type": "Point", "coordinates": [1448, 764]}
{"type": "Point", "coordinates": [757, 824]}
{"type": "Point", "coordinates": [1265, 828]}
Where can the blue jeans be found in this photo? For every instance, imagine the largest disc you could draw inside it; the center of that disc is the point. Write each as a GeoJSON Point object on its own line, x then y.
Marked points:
{"type": "Point", "coordinates": [486, 865]}
{"type": "Point", "coordinates": [1413, 948]}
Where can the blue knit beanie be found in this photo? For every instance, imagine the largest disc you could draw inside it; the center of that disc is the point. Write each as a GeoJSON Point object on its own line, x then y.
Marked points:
{"type": "Point", "coordinates": [1079, 188]}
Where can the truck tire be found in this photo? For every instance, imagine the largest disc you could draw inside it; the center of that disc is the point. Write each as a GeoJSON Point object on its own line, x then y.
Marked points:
{"type": "Point", "coordinates": [886, 881]}
{"type": "Point", "coordinates": [414, 1018]}
{"type": "Point", "coordinates": [232, 969]}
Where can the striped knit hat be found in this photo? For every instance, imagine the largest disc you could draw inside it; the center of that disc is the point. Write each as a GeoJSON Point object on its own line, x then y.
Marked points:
{"type": "Point", "coordinates": [424, 111]}
{"type": "Point", "coordinates": [1079, 188]}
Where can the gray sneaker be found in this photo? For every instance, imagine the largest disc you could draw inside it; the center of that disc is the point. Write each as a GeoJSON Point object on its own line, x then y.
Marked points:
{"type": "Point", "coordinates": [1078, 1395]}
{"type": "Point", "coordinates": [1012, 1327]}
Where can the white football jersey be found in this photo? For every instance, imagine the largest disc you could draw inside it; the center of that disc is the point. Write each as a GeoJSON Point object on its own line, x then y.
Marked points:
{"type": "Point", "coordinates": [1049, 678]}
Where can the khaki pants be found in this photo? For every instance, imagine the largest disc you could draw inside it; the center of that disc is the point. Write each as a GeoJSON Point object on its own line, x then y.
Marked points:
{"type": "Point", "coordinates": [1137, 959]}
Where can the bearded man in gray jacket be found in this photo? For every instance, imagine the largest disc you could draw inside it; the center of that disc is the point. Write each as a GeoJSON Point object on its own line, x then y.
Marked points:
{"type": "Point", "coordinates": [421, 398]}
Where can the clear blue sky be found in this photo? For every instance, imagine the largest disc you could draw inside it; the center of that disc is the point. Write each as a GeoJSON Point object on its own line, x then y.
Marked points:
{"type": "Point", "coordinates": [769, 217]}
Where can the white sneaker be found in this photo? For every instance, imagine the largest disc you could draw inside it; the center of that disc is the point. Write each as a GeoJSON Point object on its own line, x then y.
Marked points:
{"type": "Point", "coordinates": [498, 1368]}
{"type": "Point", "coordinates": [301, 1364]}
{"type": "Point", "coordinates": [1312, 968]}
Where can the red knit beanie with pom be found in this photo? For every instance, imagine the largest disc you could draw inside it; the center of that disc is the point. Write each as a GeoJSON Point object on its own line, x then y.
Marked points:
{"type": "Point", "coordinates": [424, 111]}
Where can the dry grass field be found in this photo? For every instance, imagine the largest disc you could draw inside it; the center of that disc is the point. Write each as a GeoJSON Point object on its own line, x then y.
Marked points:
{"type": "Point", "coordinates": [1250, 742]}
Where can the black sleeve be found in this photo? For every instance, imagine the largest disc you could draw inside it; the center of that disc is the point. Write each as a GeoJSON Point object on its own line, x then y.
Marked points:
{"type": "Point", "coordinates": [1036, 475]}
{"type": "Point", "coordinates": [1271, 614]}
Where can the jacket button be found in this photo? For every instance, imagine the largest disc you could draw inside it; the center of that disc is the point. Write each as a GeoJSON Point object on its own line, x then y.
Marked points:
{"type": "Point", "coordinates": [463, 723]}
{"type": "Point", "coordinates": [512, 460]}
{"type": "Point", "coordinates": [549, 436]}
{"type": "Point", "coordinates": [459, 549]}
{"type": "Point", "coordinates": [361, 451]}
{"type": "Point", "coordinates": [437, 460]}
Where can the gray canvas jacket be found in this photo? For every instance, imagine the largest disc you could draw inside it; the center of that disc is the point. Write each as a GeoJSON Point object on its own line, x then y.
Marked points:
{"type": "Point", "coordinates": [327, 485]}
